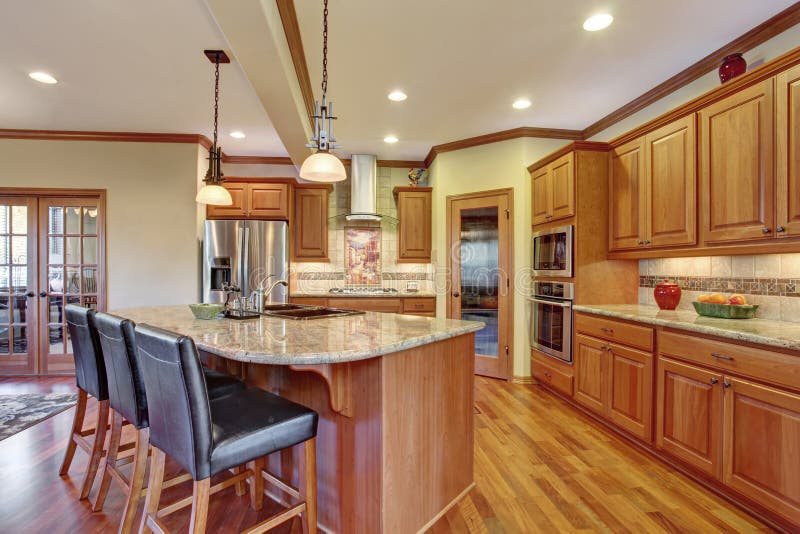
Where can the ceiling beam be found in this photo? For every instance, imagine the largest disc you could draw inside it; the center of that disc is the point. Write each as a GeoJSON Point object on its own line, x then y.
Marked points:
{"type": "Point", "coordinates": [257, 38]}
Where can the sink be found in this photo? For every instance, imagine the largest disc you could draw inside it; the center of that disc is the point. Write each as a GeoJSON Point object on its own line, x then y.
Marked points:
{"type": "Point", "coordinates": [310, 312]}
{"type": "Point", "coordinates": [281, 307]}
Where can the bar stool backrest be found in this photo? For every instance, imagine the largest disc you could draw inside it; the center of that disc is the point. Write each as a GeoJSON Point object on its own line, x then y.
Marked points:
{"type": "Point", "coordinates": [125, 387]}
{"type": "Point", "coordinates": [177, 399]}
{"type": "Point", "coordinates": [90, 371]}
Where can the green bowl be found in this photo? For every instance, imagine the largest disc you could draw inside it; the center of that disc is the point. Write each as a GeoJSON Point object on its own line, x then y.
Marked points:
{"type": "Point", "coordinates": [725, 311]}
{"type": "Point", "coordinates": [206, 310]}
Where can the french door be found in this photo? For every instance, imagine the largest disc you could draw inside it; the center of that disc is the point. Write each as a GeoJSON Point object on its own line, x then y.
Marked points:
{"type": "Point", "coordinates": [479, 241]}
{"type": "Point", "coordinates": [52, 253]}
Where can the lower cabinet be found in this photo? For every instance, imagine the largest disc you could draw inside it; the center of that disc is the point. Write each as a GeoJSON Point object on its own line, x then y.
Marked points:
{"type": "Point", "coordinates": [552, 373]}
{"type": "Point", "coordinates": [422, 306]}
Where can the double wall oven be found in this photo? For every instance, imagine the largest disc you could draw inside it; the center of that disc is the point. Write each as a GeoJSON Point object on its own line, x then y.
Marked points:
{"type": "Point", "coordinates": [551, 319]}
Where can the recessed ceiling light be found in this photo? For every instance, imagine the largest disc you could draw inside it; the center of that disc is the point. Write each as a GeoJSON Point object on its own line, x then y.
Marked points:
{"type": "Point", "coordinates": [598, 22]}
{"type": "Point", "coordinates": [390, 139]}
{"type": "Point", "coordinates": [238, 135]}
{"type": "Point", "coordinates": [43, 77]}
{"type": "Point", "coordinates": [521, 103]}
{"type": "Point", "coordinates": [397, 96]}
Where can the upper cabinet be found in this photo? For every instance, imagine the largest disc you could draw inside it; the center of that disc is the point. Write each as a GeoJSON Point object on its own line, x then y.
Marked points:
{"type": "Point", "coordinates": [653, 189]}
{"type": "Point", "coordinates": [310, 222]}
{"type": "Point", "coordinates": [414, 205]}
{"type": "Point", "coordinates": [553, 190]}
{"type": "Point", "coordinates": [788, 153]}
{"type": "Point", "coordinates": [253, 200]}
{"type": "Point", "coordinates": [737, 166]}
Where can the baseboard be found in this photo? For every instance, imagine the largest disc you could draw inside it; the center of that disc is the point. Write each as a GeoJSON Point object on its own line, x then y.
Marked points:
{"type": "Point", "coordinates": [446, 509]}
{"type": "Point", "coordinates": [522, 380]}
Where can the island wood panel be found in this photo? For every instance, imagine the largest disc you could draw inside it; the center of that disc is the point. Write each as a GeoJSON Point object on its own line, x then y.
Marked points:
{"type": "Point", "coordinates": [405, 454]}
{"type": "Point", "coordinates": [787, 149]}
{"type": "Point", "coordinates": [628, 196]}
{"type": "Point", "coordinates": [737, 166]}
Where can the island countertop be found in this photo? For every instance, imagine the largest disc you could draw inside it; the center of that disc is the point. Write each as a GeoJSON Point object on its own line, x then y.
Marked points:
{"type": "Point", "coordinates": [276, 341]}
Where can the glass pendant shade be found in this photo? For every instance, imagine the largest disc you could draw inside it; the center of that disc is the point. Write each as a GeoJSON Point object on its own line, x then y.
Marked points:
{"type": "Point", "coordinates": [323, 167]}
{"type": "Point", "coordinates": [215, 195]}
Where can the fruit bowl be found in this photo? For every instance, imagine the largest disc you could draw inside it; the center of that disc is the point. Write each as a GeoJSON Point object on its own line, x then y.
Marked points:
{"type": "Point", "coordinates": [206, 310]}
{"type": "Point", "coordinates": [725, 311]}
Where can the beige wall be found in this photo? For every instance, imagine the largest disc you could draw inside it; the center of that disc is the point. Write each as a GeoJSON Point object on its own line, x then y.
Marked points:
{"type": "Point", "coordinates": [152, 219]}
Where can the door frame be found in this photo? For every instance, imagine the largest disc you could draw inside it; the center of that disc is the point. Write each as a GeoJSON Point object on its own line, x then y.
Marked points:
{"type": "Point", "coordinates": [38, 193]}
{"type": "Point", "coordinates": [508, 332]}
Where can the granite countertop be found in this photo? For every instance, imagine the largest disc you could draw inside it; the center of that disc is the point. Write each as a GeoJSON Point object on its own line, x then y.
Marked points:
{"type": "Point", "coordinates": [272, 340]}
{"type": "Point", "coordinates": [328, 294]}
{"type": "Point", "coordinates": [780, 334]}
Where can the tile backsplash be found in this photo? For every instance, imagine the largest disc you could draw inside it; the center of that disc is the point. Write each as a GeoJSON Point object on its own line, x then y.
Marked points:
{"type": "Point", "coordinates": [770, 280]}
{"type": "Point", "coordinates": [321, 276]}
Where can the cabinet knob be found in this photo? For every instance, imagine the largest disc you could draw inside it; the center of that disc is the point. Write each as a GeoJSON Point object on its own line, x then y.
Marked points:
{"type": "Point", "coordinates": [548, 216]}
{"type": "Point", "coordinates": [603, 347]}
{"type": "Point", "coordinates": [726, 384]}
{"type": "Point", "coordinates": [765, 230]}
{"type": "Point", "coordinates": [640, 242]}
{"type": "Point", "coordinates": [714, 380]}
{"type": "Point", "coordinates": [780, 229]}
{"type": "Point", "coordinates": [646, 241]}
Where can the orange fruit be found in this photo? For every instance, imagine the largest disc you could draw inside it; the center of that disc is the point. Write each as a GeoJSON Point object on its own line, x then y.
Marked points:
{"type": "Point", "coordinates": [703, 298]}
{"type": "Point", "coordinates": [718, 298]}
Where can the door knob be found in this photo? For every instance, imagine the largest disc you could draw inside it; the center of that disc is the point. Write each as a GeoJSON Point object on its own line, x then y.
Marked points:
{"type": "Point", "coordinates": [42, 293]}
{"type": "Point", "coordinates": [456, 294]}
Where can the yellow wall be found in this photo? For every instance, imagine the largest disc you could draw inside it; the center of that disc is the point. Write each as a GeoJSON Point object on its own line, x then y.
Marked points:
{"type": "Point", "coordinates": [494, 166]}
{"type": "Point", "coordinates": [151, 224]}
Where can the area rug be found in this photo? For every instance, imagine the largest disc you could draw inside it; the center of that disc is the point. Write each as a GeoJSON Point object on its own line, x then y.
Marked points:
{"type": "Point", "coordinates": [18, 412]}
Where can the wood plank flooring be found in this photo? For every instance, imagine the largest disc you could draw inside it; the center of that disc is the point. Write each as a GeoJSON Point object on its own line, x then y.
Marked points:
{"type": "Point", "coordinates": [539, 467]}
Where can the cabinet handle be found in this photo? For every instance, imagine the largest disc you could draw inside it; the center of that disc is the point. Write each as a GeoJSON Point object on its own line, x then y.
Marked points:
{"type": "Point", "coordinates": [646, 241]}
{"type": "Point", "coordinates": [607, 330]}
{"type": "Point", "coordinates": [604, 347]}
{"type": "Point", "coordinates": [721, 356]}
{"type": "Point", "coordinates": [780, 229]}
{"type": "Point", "coordinates": [765, 230]}
{"type": "Point", "coordinates": [726, 384]}
{"type": "Point", "coordinates": [548, 216]}
{"type": "Point", "coordinates": [714, 380]}
{"type": "Point", "coordinates": [640, 242]}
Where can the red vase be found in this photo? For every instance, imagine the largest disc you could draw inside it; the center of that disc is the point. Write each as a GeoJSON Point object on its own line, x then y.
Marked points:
{"type": "Point", "coordinates": [732, 66]}
{"type": "Point", "coordinates": [667, 294]}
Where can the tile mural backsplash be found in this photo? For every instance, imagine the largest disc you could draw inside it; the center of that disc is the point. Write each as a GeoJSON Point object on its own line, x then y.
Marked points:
{"type": "Point", "coordinates": [770, 280]}
{"type": "Point", "coordinates": [362, 262]}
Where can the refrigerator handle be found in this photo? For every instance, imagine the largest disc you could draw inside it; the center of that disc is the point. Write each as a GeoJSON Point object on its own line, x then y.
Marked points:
{"type": "Point", "coordinates": [244, 256]}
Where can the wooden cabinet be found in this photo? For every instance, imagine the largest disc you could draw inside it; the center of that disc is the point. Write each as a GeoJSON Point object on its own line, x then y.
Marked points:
{"type": "Point", "coordinates": [253, 200]}
{"type": "Point", "coordinates": [553, 190]}
{"type": "Point", "coordinates": [615, 382]}
{"type": "Point", "coordinates": [761, 436]}
{"type": "Point", "coordinates": [737, 166]}
{"type": "Point", "coordinates": [422, 306]}
{"type": "Point", "coordinates": [552, 373]}
{"type": "Point", "coordinates": [310, 223]}
{"type": "Point", "coordinates": [653, 189]}
{"type": "Point", "coordinates": [787, 149]}
{"type": "Point", "coordinates": [414, 205]}
{"type": "Point", "coordinates": [689, 414]}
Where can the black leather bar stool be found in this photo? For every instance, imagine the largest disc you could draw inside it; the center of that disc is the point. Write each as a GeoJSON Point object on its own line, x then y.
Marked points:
{"type": "Point", "coordinates": [126, 395]}
{"type": "Point", "coordinates": [208, 436]}
{"type": "Point", "coordinates": [90, 377]}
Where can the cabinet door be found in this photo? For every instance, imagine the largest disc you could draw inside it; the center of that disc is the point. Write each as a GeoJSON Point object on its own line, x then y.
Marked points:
{"type": "Point", "coordinates": [670, 156]}
{"type": "Point", "coordinates": [310, 225]}
{"type": "Point", "coordinates": [268, 201]}
{"type": "Point", "coordinates": [237, 210]}
{"type": "Point", "coordinates": [589, 368]}
{"type": "Point", "coordinates": [414, 234]}
{"type": "Point", "coordinates": [631, 383]}
{"type": "Point", "coordinates": [762, 445]}
{"type": "Point", "coordinates": [541, 203]}
{"type": "Point", "coordinates": [689, 414]}
{"type": "Point", "coordinates": [627, 196]}
{"type": "Point", "coordinates": [788, 153]}
{"type": "Point", "coordinates": [379, 304]}
{"type": "Point", "coordinates": [562, 187]}
{"type": "Point", "coordinates": [737, 166]}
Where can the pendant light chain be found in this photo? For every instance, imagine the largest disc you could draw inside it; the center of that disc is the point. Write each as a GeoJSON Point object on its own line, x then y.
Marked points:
{"type": "Point", "coordinates": [325, 51]}
{"type": "Point", "coordinates": [216, 98]}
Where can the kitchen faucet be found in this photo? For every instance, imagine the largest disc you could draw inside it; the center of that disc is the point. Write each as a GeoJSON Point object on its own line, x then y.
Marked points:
{"type": "Point", "coordinates": [283, 283]}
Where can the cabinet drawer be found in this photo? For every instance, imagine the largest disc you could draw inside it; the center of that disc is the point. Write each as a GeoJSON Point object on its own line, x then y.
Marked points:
{"type": "Point", "coordinates": [761, 364]}
{"type": "Point", "coordinates": [551, 374]}
{"type": "Point", "coordinates": [633, 335]}
{"type": "Point", "coordinates": [372, 305]}
{"type": "Point", "coordinates": [309, 301]}
{"type": "Point", "coordinates": [419, 305]}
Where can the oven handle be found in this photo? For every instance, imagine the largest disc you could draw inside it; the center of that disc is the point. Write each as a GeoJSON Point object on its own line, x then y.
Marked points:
{"type": "Point", "coordinates": [563, 304]}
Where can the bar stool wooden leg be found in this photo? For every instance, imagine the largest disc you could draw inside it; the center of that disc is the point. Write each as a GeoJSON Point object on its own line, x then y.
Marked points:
{"type": "Point", "coordinates": [241, 486]}
{"type": "Point", "coordinates": [200, 494]}
{"type": "Point", "coordinates": [111, 461]}
{"type": "Point", "coordinates": [141, 450]}
{"type": "Point", "coordinates": [308, 486]}
{"type": "Point", "coordinates": [97, 448]}
{"type": "Point", "coordinates": [153, 489]}
{"type": "Point", "coordinates": [257, 484]}
{"type": "Point", "coordinates": [77, 426]}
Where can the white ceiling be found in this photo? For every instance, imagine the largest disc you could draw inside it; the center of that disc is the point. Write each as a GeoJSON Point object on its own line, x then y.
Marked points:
{"type": "Point", "coordinates": [463, 62]}
{"type": "Point", "coordinates": [134, 66]}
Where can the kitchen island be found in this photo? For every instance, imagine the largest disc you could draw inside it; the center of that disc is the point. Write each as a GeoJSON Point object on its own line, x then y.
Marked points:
{"type": "Point", "coordinates": [395, 398]}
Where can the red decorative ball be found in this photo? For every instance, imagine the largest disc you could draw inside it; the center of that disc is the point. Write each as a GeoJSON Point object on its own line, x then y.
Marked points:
{"type": "Point", "coordinates": [732, 66]}
{"type": "Point", "coordinates": [667, 294]}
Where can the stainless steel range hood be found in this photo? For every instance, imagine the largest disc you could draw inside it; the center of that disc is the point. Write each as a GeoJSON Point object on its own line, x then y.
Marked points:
{"type": "Point", "coordinates": [364, 195]}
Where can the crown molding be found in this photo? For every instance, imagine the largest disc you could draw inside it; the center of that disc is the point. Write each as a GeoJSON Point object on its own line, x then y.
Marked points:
{"type": "Point", "coordinates": [584, 146]}
{"type": "Point", "coordinates": [129, 137]}
{"type": "Point", "coordinates": [257, 160]}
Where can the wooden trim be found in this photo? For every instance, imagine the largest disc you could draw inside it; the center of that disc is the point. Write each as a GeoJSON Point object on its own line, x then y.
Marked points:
{"type": "Point", "coordinates": [761, 33]}
{"type": "Point", "coordinates": [408, 189]}
{"type": "Point", "coordinates": [257, 160]}
{"type": "Point", "coordinates": [516, 379]}
{"type": "Point", "coordinates": [770, 245]}
{"type": "Point", "coordinates": [291, 29]}
{"type": "Point", "coordinates": [505, 135]}
{"type": "Point", "coordinates": [129, 137]}
{"type": "Point", "coordinates": [586, 146]}
{"type": "Point", "coordinates": [401, 163]}
{"type": "Point", "coordinates": [447, 508]}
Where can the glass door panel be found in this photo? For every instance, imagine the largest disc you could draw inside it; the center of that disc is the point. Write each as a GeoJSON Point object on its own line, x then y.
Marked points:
{"type": "Point", "coordinates": [17, 285]}
{"type": "Point", "coordinates": [71, 261]}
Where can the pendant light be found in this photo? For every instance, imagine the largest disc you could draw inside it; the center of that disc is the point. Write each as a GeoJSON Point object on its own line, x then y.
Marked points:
{"type": "Point", "coordinates": [212, 192]}
{"type": "Point", "coordinates": [323, 166]}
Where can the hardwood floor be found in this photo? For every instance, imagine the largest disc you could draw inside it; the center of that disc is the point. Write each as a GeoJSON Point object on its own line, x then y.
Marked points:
{"type": "Point", "coordinates": [539, 467]}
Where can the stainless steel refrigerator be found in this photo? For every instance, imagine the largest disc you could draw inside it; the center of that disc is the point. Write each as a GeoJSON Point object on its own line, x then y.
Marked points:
{"type": "Point", "coordinates": [245, 254]}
